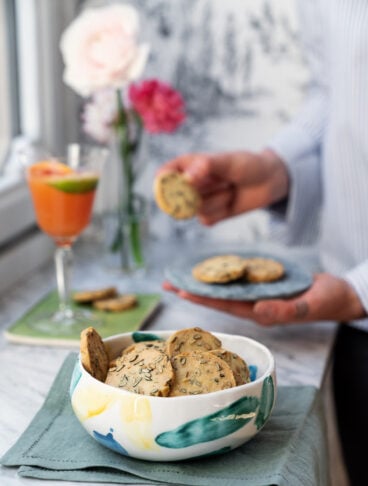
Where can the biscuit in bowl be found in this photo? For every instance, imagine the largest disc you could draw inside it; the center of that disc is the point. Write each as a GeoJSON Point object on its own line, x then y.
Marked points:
{"type": "Point", "coordinates": [172, 428]}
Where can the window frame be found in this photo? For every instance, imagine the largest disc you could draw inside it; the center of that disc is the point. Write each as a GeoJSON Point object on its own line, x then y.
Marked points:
{"type": "Point", "coordinates": [46, 115]}
{"type": "Point", "coordinates": [9, 107]}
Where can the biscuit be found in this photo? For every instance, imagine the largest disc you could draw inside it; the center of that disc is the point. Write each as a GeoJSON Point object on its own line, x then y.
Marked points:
{"type": "Point", "coordinates": [176, 196]}
{"type": "Point", "coordinates": [191, 340]}
{"type": "Point", "coordinates": [88, 296]}
{"type": "Point", "coordinates": [138, 347]}
{"type": "Point", "coordinates": [197, 373]}
{"type": "Point", "coordinates": [238, 366]}
{"type": "Point", "coordinates": [116, 304]}
{"type": "Point", "coordinates": [219, 269]}
{"type": "Point", "coordinates": [260, 270]}
{"type": "Point", "coordinates": [148, 372]}
{"type": "Point", "coordinates": [94, 357]}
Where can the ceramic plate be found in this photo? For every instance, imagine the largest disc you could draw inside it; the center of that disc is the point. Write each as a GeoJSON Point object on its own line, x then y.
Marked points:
{"type": "Point", "coordinates": [296, 280]}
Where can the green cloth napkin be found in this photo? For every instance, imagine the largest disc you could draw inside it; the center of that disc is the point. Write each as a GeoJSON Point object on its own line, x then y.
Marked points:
{"type": "Point", "coordinates": [290, 450]}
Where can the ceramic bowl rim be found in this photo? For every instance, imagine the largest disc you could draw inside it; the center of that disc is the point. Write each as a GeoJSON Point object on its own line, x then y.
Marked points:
{"type": "Point", "coordinates": [247, 386]}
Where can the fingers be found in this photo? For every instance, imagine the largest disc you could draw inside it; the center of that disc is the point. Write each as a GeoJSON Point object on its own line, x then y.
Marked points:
{"type": "Point", "coordinates": [216, 206]}
{"type": "Point", "coordinates": [166, 285]}
{"type": "Point", "coordinates": [283, 311]}
{"type": "Point", "coordinates": [236, 308]}
{"type": "Point", "coordinates": [178, 164]}
{"type": "Point", "coordinates": [240, 309]}
{"type": "Point", "coordinates": [196, 167]}
{"type": "Point", "coordinates": [233, 167]}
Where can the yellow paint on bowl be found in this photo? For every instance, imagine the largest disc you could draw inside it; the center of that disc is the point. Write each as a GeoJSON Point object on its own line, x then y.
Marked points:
{"type": "Point", "coordinates": [87, 403]}
{"type": "Point", "coordinates": [136, 415]}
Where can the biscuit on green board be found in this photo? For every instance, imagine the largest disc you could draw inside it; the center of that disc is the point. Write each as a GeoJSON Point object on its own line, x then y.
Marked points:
{"type": "Point", "coordinates": [116, 304]}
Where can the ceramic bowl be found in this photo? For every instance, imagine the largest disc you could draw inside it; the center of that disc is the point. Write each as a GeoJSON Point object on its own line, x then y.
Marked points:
{"type": "Point", "coordinates": [176, 428]}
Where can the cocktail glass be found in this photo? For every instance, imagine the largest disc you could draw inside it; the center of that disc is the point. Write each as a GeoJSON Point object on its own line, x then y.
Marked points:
{"type": "Point", "coordinates": [63, 191]}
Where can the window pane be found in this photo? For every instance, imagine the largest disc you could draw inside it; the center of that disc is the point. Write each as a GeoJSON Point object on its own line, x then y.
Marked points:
{"type": "Point", "coordinates": [9, 119]}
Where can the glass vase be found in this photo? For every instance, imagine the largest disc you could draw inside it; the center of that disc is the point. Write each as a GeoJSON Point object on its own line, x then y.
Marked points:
{"type": "Point", "coordinates": [126, 236]}
{"type": "Point", "coordinates": [125, 215]}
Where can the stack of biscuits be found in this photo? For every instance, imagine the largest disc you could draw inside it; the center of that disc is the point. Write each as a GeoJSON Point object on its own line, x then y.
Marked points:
{"type": "Point", "coordinates": [191, 362]}
{"type": "Point", "coordinates": [224, 269]}
{"type": "Point", "coordinates": [106, 299]}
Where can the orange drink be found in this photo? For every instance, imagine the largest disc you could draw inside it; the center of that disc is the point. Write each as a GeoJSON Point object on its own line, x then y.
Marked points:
{"type": "Point", "coordinates": [62, 199]}
{"type": "Point", "coordinates": [62, 196]}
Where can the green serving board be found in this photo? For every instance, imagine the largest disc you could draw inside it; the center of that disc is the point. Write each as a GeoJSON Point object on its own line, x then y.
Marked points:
{"type": "Point", "coordinates": [113, 322]}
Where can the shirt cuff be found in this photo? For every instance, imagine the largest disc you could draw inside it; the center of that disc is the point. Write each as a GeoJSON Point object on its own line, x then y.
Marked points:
{"type": "Point", "coordinates": [291, 144]}
{"type": "Point", "coordinates": [358, 279]}
{"type": "Point", "coordinates": [295, 220]}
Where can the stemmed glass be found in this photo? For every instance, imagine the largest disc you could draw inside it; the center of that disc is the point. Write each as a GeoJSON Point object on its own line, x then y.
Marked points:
{"type": "Point", "coordinates": [63, 191]}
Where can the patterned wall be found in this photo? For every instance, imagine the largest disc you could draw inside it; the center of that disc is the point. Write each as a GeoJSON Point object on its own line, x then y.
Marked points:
{"type": "Point", "coordinates": [240, 67]}
{"type": "Point", "coordinates": [236, 62]}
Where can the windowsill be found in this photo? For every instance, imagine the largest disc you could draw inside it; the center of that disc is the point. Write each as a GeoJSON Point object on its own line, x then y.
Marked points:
{"type": "Point", "coordinates": [16, 212]}
{"type": "Point", "coordinates": [23, 257]}
{"type": "Point", "coordinates": [22, 247]}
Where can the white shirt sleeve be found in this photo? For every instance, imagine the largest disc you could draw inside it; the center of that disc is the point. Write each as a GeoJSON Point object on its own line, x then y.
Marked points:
{"type": "Point", "coordinates": [299, 143]}
{"type": "Point", "coordinates": [358, 279]}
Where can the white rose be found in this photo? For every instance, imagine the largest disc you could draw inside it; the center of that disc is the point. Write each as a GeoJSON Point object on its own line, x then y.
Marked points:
{"type": "Point", "coordinates": [100, 49]}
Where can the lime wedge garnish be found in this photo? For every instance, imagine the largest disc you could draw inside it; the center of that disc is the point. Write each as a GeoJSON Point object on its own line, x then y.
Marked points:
{"type": "Point", "coordinates": [74, 184]}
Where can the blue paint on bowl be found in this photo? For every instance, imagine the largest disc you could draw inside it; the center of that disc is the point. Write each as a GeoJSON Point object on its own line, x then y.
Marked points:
{"type": "Point", "coordinates": [253, 369]}
{"type": "Point", "coordinates": [76, 376]}
{"type": "Point", "coordinates": [139, 337]}
{"type": "Point", "coordinates": [109, 441]}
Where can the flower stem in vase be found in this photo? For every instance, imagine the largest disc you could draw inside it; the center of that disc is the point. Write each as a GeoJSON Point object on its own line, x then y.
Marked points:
{"type": "Point", "coordinates": [128, 137]}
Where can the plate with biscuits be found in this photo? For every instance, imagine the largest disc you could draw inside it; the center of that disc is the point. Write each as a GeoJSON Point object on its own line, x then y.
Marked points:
{"type": "Point", "coordinates": [246, 276]}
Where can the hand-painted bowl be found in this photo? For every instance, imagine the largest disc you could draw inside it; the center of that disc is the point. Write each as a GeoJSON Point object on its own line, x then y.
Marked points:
{"type": "Point", "coordinates": [176, 428]}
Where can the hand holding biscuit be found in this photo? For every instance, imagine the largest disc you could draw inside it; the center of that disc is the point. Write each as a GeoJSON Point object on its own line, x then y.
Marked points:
{"type": "Point", "coordinates": [231, 183]}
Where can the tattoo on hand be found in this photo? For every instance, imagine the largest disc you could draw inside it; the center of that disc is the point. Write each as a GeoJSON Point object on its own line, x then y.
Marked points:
{"type": "Point", "coordinates": [301, 309]}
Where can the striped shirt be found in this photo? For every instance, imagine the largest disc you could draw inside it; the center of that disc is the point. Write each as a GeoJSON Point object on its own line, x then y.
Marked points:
{"type": "Point", "coordinates": [325, 147]}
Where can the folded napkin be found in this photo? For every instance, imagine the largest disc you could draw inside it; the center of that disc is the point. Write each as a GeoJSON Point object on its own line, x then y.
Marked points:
{"type": "Point", "coordinates": [290, 450]}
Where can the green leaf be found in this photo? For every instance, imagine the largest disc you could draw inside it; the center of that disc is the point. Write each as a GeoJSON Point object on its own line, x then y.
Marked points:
{"type": "Point", "coordinates": [211, 427]}
{"type": "Point", "coordinates": [266, 402]}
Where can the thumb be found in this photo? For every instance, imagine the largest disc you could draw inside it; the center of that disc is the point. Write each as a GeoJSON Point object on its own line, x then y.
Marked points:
{"type": "Point", "coordinates": [199, 171]}
{"type": "Point", "coordinates": [282, 311]}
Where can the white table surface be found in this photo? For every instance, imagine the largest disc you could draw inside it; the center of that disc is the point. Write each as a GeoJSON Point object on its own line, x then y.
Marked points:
{"type": "Point", "coordinates": [26, 372]}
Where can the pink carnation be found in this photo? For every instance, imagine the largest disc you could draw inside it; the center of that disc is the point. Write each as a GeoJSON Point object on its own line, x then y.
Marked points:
{"type": "Point", "coordinates": [159, 105]}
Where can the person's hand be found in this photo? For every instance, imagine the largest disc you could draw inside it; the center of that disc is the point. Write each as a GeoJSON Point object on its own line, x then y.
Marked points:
{"type": "Point", "coordinates": [329, 299]}
{"type": "Point", "coordinates": [232, 183]}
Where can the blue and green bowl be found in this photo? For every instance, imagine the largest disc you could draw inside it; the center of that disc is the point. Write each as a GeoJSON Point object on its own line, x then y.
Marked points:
{"type": "Point", "coordinates": [176, 428]}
